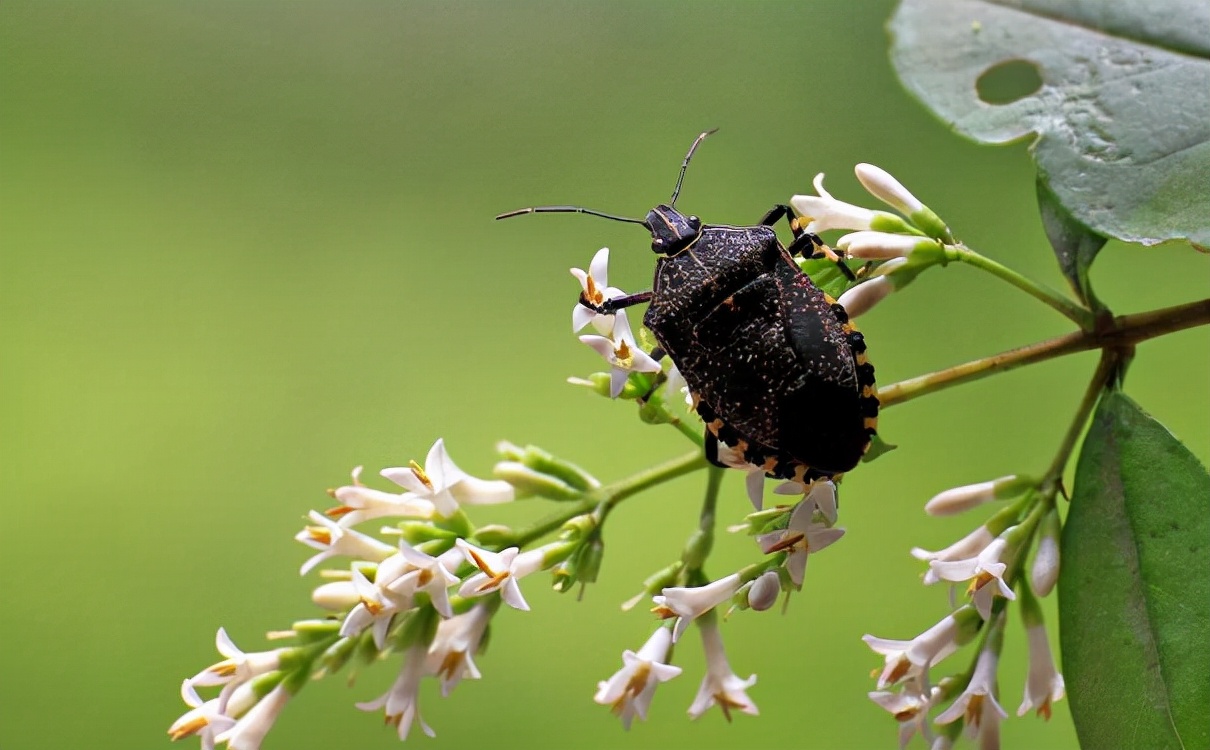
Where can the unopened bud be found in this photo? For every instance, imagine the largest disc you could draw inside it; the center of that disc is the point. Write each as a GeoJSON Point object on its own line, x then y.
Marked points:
{"type": "Point", "coordinates": [336, 596]}
{"type": "Point", "coordinates": [883, 245]}
{"type": "Point", "coordinates": [960, 499]}
{"type": "Point", "coordinates": [338, 654]}
{"type": "Point", "coordinates": [880, 184]}
{"type": "Point", "coordinates": [496, 536]}
{"type": "Point", "coordinates": [419, 532]}
{"type": "Point", "coordinates": [764, 591]}
{"type": "Point", "coordinates": [1045, 570]}
{"type": "Point", "coordinates": [862, 298]}
{"type": "Point", "coordinates": [527, 481]}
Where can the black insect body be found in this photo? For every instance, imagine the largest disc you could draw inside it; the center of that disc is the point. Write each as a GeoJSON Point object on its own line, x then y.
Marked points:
{"type": "Point", "coordinates": [775, 369]}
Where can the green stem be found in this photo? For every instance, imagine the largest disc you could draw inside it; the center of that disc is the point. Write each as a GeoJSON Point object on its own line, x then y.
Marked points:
{"type": "Point", "coordinates": [1106, 370]}
{"type": "Point", "coordinates": [1081, 316]}
{"type": "Point", "coordinates": [698, 547]}
{"type": "Point", "coordinates": [1121, 332]}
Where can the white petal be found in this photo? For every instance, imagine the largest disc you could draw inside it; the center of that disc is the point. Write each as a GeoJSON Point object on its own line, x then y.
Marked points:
{"type": "Point", "coordinates": [405, 478]}
{"type": "Point", "coordinates": [755, 484]}
{"type": "Point", "coordinates": [617, 381]}
{"type": "Point", "coordinates": [600, 345]}
{"type": "Point", "coordinates": [510, 592]}
{"type": "Point", "coordinates": [580, 317]}
{"type": "Point", "coordinates": [599, 268]}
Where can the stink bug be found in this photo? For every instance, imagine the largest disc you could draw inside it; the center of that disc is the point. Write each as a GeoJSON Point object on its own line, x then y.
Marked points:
{"type": "Point", "coordinates": [774, 367]}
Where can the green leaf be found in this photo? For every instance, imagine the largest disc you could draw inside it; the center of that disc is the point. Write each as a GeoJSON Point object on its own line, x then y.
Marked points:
{"type": "Point", "coordinates": [1134, 589]}
{"type": "Point", "coordinates": [1121, 115]}
{"type": "Point", "coordinates": [1074, 245]}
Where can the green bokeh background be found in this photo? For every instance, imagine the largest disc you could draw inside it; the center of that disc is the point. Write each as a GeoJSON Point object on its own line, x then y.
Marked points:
{"type": "Point", "coordinates": [249, 246]}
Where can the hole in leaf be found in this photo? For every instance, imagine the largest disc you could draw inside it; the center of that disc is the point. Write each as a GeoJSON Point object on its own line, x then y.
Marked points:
{"type": "Point", "coordinates": [1006, 82]}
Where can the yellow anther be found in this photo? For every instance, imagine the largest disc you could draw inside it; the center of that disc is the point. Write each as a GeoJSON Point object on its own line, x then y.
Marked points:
{"type": "Point", "coordinates": [419, 473]}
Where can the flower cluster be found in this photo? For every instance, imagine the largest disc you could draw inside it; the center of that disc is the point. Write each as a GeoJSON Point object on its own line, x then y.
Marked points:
{"type": "Point", "coordinates": [990, 561]}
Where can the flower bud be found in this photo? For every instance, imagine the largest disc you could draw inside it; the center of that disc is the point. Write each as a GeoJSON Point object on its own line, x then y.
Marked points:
{"type": "Point", "coordinates": [867, 245]}
{"type": "Point", "coordinates": [336, 596]}
{"type": "Point", "coordinates": [959, 499]}
{"type": "Point", "coordinates": [764, 591]}
{"type": "Point", "coordinates": [527, 481]}
{"type": "Point", "coordinates": [1045, 569]}
{"type": "Point", "coordinates": [861, 299]}
{"type": "Point", "coordinates": [887, 189]}
{"type": "Point", "coordinates": [497, 536]}
{"type": "Point", "coordinates": [419, 532]}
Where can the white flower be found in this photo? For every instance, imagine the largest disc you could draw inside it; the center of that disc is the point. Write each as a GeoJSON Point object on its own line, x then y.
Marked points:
{"type": "Point", "coordinates": [720, 687]}
{"type": "Point", "coordinates": [206, 720]}
{"type": "Point", "coordinates": [1045, 685]}
{"type": "Point", "coordinates": [622, 353]}
{"type": "Point", "coordinates": [911, 659]}
{"type": "Point", "coordinates": [862, 298]}
{"type": "Point", "coordinates": [629, 691]}
{"type": "Point", "coordinates": [250, 730]}
{"type": "Point", "coordinates": [359, 503]}
{"type": "Point", "coordinates": [764, 591]}
{"type": "Point", "coordinates": [801, 537]}
{"type": "Point", "coordinates": [1044, 572]}
{"type": "Point", "coordinates": [424, 573]}
{"type": "Point", "coordinates": [980, 690]}
{"type": "Point", "coordinates": [880, 184]}
{"type": "Point", "coordinates": [821, 494]}
{"type": "Point", "coordinates": [446, 486]}
{"type": "Point", "coordinates": [980, 571]}
{"type": "Point", "coordinates": [823, 212]}
{"type": "Point", "coordinates": [499, 571]}
{"type": "Point", "coordinates": [401, 701]}
{"type": "Point", "coordinates": [968, 546]}
{"type": "Point", "coordinates": [754, 479]}
{"type": "Point", "coordinates": [396, 581]}
{"type": "Point", "coordinates": [376, 609]}
{"type": "Point", "coordinates": [237, 668]}
{"type": "Point", "coordinates": [333, 540]}
{"type": "Point", "coordinates": [595, 284]}
{"type": "Point", "coordinates": [687, 603]}
{"type": "Point", "coordinates": [451, 656]}
{"type": "Point", "coordinates": [910, 706]}
{"type": "Point", "coordinates": [869, 245]}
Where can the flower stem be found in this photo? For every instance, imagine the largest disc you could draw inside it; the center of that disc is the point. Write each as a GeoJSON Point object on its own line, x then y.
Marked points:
{"type": "Point", "coordinates": [1106, 370]}
{"type": "Point", "coordinates": [1121, 333]}
{"type": "Point", "coordinates": [1080, 315]}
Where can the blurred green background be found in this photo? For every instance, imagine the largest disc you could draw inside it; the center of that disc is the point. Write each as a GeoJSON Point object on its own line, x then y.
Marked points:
{"type": "Point", "coordinates": [249, 246]}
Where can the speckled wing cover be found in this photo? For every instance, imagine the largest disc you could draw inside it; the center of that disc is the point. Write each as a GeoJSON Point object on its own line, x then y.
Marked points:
{"type": "Point", "coordinates": [772, 364]}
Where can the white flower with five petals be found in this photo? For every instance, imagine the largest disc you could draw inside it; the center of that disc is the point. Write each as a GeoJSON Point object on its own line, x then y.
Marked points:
{"type": "Point", "coordinates": [500, 571]}
{"type": "Point", "coordinates": [446, 486]}
{"type": "Point", "coordinates": [721, 686]}
{"type": "Point", "coordinates": [630, 690]}
{"type": "Point", "coordinates": [622, 353]}
{"type": "Point", "coordinates": [595, 288]}
{"type": "Point", "coordinates": [451, 655]}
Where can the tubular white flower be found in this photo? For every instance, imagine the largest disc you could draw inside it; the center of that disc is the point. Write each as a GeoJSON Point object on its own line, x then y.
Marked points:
{"type": "Point", "coordinates": [980, 571]}
{"type": "Point", "coordinates": [687, 603]}
{"type": "Point", "coordinates": [911, 659]}
{"type": "Point", "coordinates": [968, 546]}
{"type": "Point", "coordinates": [595, 285]}
{"type": "Point", "coordinates": [249, 732]}
{"type": "Point", "coordinates": [424, 573]}
{"type": "Point", "coordinates": [359, 503]}
{"type": "Point", "coordinates": [721, 686]}
{"type": "Point", "coordinates": [910, 706]}
{"type": "Point", "coordinates": [764, 591]}
{"type": "Point", "coordinates": [401, 702]}
{"type": "Point", "coordinates": [334, 540]}
{"type": "Point", "coordinates": [1045, 684]}
{"type": "Point", "coordinates": [801, 537]}
{"type": "Point", "coordinates": [622, 353]}
{"type": "Point", "coordinates": [754, 479]}
{"type": "Point", "coordinates": [869, 245]}
{"type": "Point", "coordinates": [880, 184]}
{"type": "Point", "coordinates": [451, 656]}
{"type": "Point", "coordinates": [446, 486]}
{"type": "Point", "coordinates": [629, 691]}
{"type": "Point", "coordinates": [1044, 572]}
{"type": "Point", "coordinates": [376, 609]}
{"type": "Point", "coordinates": [500, 571]}
{"type": "Point", "coordinates": [206, 720]}
{"type": "Point", "coordinates": [235, 670]}
{"type": "Point", "coordinates": [823, 212]}
{"type": "Point", "coordinates": [979, 691]}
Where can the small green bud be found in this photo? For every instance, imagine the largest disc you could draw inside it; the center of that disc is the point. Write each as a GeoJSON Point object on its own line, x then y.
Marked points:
{"type": "Point", "coordinates": [496, 536]}
{"type": "Point", "coordinates": [338, 654]}
{"type": "Point", "coordinates": [546, 463]}
{"type": "Point", "coordinates": [419, 532]}
{"type": "Point", "coordinates": [589, 560]}
{"type": "Point", "coordinates": [313, 631]}
{"type": "Point", "coordinates": [579, 527]}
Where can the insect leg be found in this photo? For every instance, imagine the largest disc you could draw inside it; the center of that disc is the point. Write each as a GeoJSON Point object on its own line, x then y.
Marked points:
{"type": "Point", "coordinates": [807, 244]}
{"type": "Point", "coordinates": [610, 306]}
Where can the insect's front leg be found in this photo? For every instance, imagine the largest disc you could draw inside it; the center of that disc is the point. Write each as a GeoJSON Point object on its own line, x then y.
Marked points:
{"type": "Point", "coordinates": [612, 305]}
{"type": "Point", "coordinates": [807, 244]}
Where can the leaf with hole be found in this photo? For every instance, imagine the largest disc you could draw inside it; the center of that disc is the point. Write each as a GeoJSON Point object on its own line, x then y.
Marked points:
{"type": "Point", "coordinates": [1134, 587]}
{"type": "Point", "coordinates": [1117, 96]}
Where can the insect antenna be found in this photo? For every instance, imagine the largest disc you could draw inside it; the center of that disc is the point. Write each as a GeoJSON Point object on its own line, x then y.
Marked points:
{"type": "Point", "coordinates": [685, 165]}
{"type": "Point", "coordinates": [566, 210]}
